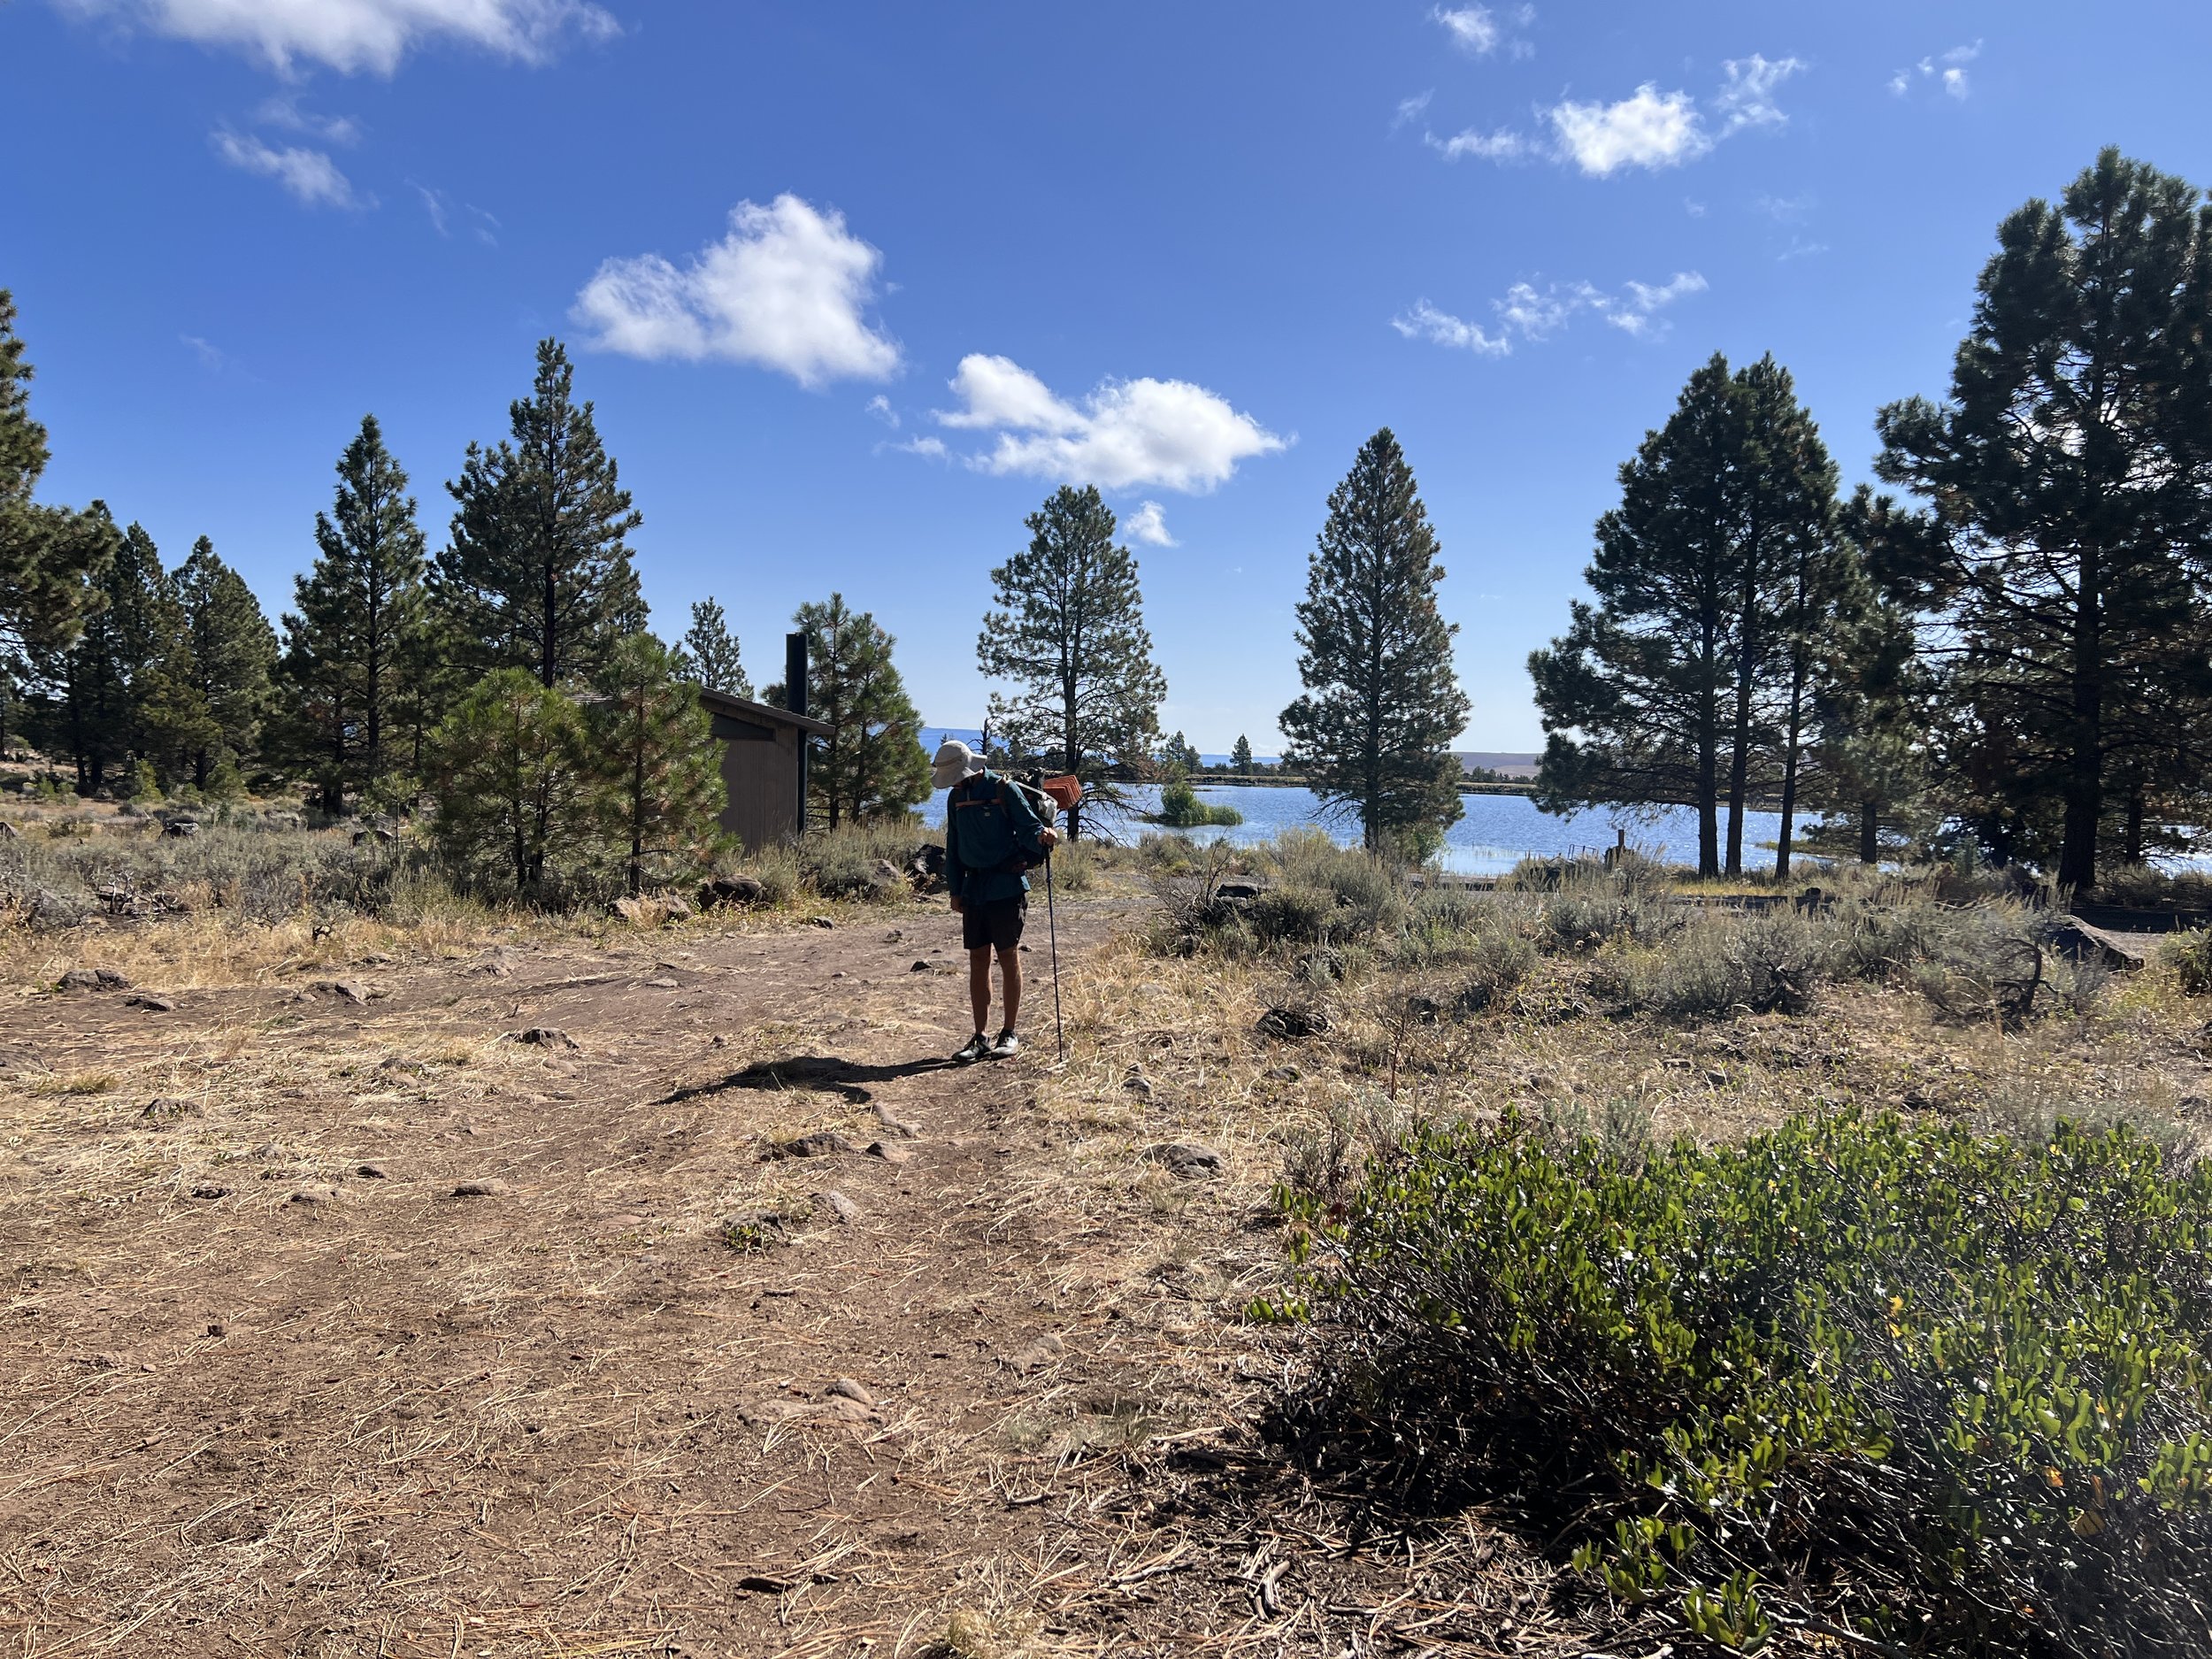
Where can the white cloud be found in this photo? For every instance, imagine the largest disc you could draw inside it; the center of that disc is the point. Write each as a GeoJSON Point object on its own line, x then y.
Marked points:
{"type": "Point", "coordinates": [1951, 76]}
{"type": "Point", "coordinates": [309, 174]}
{"type": "Point", "coordinates": [1648, 129]}
{"type": "Point", "coordinates": [933, 448]}
{"type": "Point", "coordinates": [351, 35]}
{"type": "Point", "coordinates": [1502, 145]}
{"type": "Point", "coordinates": [784, 290]}
{"type": "Point", "coordinates": [1149, 524]}
{"type": "Point", "coordinates": [1124, 436]}
{"type": "Point", "coordinates": [284, 111]}
{"type": "Point", "coordinates": [433, 203]}
{"type": "Point", "coordinates": [1473, 28]}
{"type": "Point", "coordinates": [1477, 30]}
{"type": "Point", "coordinates": [1747, 99]}
{"type": "Point", "coordinates": [1528, 314]}
{"type": "Point", "coordinates": [1633, 310]}
{"type": "Point", "coordinates": [1411, 109]}
{"type": "Point", "coordinates": [879, 406]}
{"type": "Point", "coordinates": [1445, 329]}
{"type": "Point", "coordinates": [211, 356]}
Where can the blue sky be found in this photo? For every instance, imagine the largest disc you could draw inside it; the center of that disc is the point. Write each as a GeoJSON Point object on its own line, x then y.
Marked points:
{"type": "Point", "coordinates": [854, 286]}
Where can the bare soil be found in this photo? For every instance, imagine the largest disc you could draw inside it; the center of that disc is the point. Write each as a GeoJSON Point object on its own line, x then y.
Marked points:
{"type": "Point", "coordinates": [592, 1362]}
{"type": "Point", "coordinates": [341, 1321]}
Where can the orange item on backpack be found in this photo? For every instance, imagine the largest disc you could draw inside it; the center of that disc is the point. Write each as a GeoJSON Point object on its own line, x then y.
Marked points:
{"type": "Point", "coordinates": [1066, 790]}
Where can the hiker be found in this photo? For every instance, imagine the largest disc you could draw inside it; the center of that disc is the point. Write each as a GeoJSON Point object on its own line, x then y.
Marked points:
{"type": "Point", "coordinates": [993, 835]}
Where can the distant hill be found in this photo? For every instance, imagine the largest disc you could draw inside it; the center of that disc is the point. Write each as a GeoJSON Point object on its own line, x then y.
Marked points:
{"type": "Point", "coordinates": [1508, 765]}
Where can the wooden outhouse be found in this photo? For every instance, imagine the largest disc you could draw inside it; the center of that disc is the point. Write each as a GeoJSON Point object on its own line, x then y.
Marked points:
{"type": "Point", "coordinates": [763, 767]}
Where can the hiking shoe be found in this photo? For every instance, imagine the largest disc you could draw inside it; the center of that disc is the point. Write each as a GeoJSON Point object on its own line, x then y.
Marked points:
{"type": "Point", "coordinates": [979, 1047]}
{"type": "Point", "coordinates": [1007, 1045]}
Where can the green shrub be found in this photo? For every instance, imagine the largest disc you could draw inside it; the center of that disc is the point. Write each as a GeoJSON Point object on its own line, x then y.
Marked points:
{"type": "Point", "coordinates": [1297, 915]}
{"type": "Point", "coordinates": [1951, 1392]}
{"type": "Point", "coordinates": [2190, 957]}
{"type": "Point", "coordinates": [1986, 964]}
{"type": "Point", "coordinates": [1726, 964]}
{"type": "Point", "coordinates": [1181, 808]}
{"type": "Point", "coordinates": [1075, 866]}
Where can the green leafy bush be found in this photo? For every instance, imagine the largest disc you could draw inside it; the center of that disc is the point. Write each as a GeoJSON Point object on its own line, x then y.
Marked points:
{"type": "Point", "coordinates": [1725, 965]}
{"type": "Point", "coordinates": [1951, 1392]}
{"type": "Point", "coordinates": [2190, 957]}
{"type": "Point", "coordinates": [1181, 808]}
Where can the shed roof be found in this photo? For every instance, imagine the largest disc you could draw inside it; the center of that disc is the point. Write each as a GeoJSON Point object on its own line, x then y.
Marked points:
{"type": "Point", "coordinates": [763, 713]}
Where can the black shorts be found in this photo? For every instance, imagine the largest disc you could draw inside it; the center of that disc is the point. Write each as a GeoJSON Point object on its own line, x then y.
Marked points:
{"type": "Point", "coordinates": [995, 923]}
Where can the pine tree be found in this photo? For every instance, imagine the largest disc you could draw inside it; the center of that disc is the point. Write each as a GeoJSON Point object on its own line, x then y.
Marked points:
{"type": "Point", "coordinates": [537, 574]}
{"type": "Point", "coordinates": [2070, 474]}
{"type": "Point", "coordinates": [872, 762]}
{"type": "Point", "coordinates": [1791, 570]}
{"type": "Point", "coordinates": [709, 652]}
{"type": "Point", "coordinates": [659, 763]}
{"type": "Point", "coordinates": [1180, 754]}
{"type": "Point", "coordinates": [49, 556]}
{"type": "Point", "coordinates": [1240, 755]}
{"type": "Point", "coordinates": [1071, 634]}
{"type": "Point", "coordinates": [233, 653]}
{"type": "Point", "coordinates": [520, 797]}
{"type": "Point", "coordinates": [348, 649]}
{"type": "Point", "coordinates": [128, 682]}
{"type": "Point", "coordinates": [1382, 703]}
{"type": "Point", "coordinates": [1693, 680]}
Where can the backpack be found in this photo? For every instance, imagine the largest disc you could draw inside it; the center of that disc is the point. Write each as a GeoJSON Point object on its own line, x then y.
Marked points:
{"type": "Point", "coordinates": [1017, 862]}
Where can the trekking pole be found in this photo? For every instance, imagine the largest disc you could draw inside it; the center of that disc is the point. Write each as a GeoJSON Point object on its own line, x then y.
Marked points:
{"type": "Point", "coordinates": [1052, 932]}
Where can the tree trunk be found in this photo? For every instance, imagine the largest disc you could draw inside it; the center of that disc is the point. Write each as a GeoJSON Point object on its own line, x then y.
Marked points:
{"type": "Point", "coordinates": [1870, 831]}
{"type": "Point", "coordinates": [2084, 782]}
{"type": "Point", "coordinates": [2133, 850]}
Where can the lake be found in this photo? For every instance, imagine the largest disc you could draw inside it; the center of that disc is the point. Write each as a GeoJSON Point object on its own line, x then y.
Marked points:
{"type": "Point", "coordinates": [1494, 834]}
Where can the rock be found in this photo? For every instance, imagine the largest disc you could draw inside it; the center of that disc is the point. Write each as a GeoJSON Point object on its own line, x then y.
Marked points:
{"type": "Point", "coordinates": [1423, 1010]}
{"type": "Point", "coordinates": [494, 966]}
{"type": "Point", "coordinates": [372, 1173]}
{"type": "Point", "coordinates": [1179, 1157]}
{"type": "Point", "coordinates": [345, 990]}
{"type": "Point", "coordinates": [819, 921]}
{"type": "Point", "coordinates": [491, 1187]}
{"type": "Point", "coordinates": [218, 1328]}
{"type": "Point", "coordinates": [182, 828]}
{"type": "Point", "coordinates": [362, 837]}
{"type": "Point", "coordinates": [898, 1127]}
{"type": "Point", "coordinates": [92, 980]}
{"type": "Point", "coordinates": [846, 1411]}
{"type": "Point", "coordinates": [315, 1195]}
{"type": "Point", "coordinates": [413, 1068]}
{"type": "Point", "coordinates": [2078, 941]}
{"type": "Point", "coordinates": [1046, 1350]}
{"type": "Point", "coordinates": [821, 1144]}
{"type": "Point", "coordinates": [887, 874]}
{"type": "Point", "coordinates": [1240, 889]}
{"type": "Point", "coordinates": [1282, 1074]}
{"type": "Point", "coordinates": [1717, 1080]}
{"type": "Point", "coordinates": [845, 1387]}
{"type": "Point", "coordinates": [895, 935]}
{"type": "Point", "coordinates": [920, 967]}
{"type": "Point", "coordinates": [210, 1190]}
{"type": "Point", "coordinates": [742, 892]}
{"type": "Point", "coordinates": [841, 1206]}
{"type": "Point", "coordinates": [645, 912]}
{"type": "Point", "coordinates": [148, 1001]}
{"type": "Point", "coordinates": [676, 909]}
{"type": "Point", "coordinates": [1292, 1022]}
{"type": "Point", "coordinates": [166, 1110]}
{"type": "Point", "coordinates": [546, 1037]}
{"type": "Point", "coordinates": [889, 1151]}
{"type": "Point", "coordinates": [1138, 1084]}
{"type": "Point", "coordinates": [663, 983]}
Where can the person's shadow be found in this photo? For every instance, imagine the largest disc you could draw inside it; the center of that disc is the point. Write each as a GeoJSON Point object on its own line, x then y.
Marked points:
{"type": "Point", "coordinates": [824, 1074]}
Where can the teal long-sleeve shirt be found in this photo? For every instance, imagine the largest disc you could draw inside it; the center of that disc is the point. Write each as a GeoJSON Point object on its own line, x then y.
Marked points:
{"type": "Point", "coordinates": [986, 822]}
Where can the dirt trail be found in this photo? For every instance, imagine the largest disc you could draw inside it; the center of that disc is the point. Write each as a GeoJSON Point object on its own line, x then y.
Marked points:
{"type": "Point", "coordinates": [273, 1387]}
{"type": "Point", "coordinates": [272, 1383]}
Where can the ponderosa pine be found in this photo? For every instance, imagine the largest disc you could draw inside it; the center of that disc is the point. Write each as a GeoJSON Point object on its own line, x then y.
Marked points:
{"type": "Point", "coordinates": [1382, 702]}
